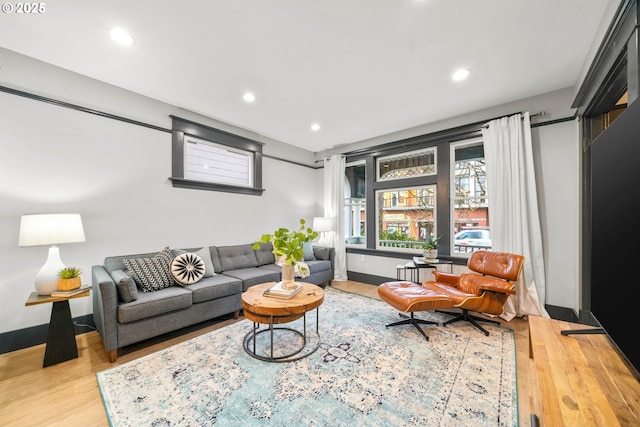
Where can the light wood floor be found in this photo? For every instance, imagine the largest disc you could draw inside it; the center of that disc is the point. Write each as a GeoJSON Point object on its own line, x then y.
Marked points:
{"type": "Point", "coordinates": [67, 394]}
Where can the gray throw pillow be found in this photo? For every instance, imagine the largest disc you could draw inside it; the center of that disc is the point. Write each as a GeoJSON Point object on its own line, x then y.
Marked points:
{"type": "Point", "coordinates": [152, 274]}
{"type": "Point", "coordinates": [308, 251]}
{"type": "Point", "coordinates": [321, 252]}
{"type": "Point", "coordinates": [126, 286]}
{"type": "Point", "coordinates": [205, 255]}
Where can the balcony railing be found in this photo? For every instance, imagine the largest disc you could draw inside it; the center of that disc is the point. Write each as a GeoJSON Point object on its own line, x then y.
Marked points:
{"type": "Point", "coordinates": [467, 249]}
{"type": "Point", "coordinates": [403, 244]}
{"type": "Point", "coordinates": [400, 244]}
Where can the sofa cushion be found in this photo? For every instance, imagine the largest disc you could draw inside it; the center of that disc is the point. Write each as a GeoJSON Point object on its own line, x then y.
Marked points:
{"type": "Point", "coordinates": [152, 273]}
{"type": "Point", "coordinates": [236, 257]}
{"type": "Point", "coordinates": [254, 276]}
{"type": "Point", "coordinates": [126, 286]}
{"type": "Point", "coordinates": [215, 287]}
{"type": "Point", "coordinates": [308, 255]}
{"type": "Point", "coordinates": [318, 265]}
{"type": "Point", "coordinates": [151, 304]}
{"type": "Point", "coordinates": [265, 255]}
{"type": "Point", "coordinates": [187, 268]}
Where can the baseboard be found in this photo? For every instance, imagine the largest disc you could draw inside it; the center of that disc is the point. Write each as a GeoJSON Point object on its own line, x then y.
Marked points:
{"type": "Point", "coordinates": [35, 335]}
{"type": "Point", "coordinates": [368, 278]}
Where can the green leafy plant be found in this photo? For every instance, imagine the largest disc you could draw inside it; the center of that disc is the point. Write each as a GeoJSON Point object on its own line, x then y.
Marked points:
{"type": "Point", "coordinates": [288, 243]}
{"type": "Point", "coordinates": [69, 273]}
{"type": "Point", "coordinates": [431, 243]}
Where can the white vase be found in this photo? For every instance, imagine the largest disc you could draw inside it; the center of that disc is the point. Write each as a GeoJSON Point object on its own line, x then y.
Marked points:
{"type": "Point", "coordinates": [431, 253]}
{"type": "Point", "coordinates": [288, 280]}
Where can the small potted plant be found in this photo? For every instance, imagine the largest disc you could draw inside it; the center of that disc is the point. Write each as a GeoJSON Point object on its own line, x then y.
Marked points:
{"type": "Point", "coordinates": [430, 247]}
{"type": "Point", "coordinates": [289, 244]}
{"type": "Point", "coordinates": [69, 279]}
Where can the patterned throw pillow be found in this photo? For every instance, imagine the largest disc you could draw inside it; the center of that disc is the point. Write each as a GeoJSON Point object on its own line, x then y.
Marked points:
{"type": "Point", "coordinates": [152, 274]}
{"type": "Point", "coordinates": [209, 270]}
{"type": "Point", "coordinates": [187, 268]}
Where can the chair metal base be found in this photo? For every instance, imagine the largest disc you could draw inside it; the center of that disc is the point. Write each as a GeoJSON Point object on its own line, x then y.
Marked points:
{"type": "Point", "coordinates": [413, 321]}
{"type": "Point", "coordinates": [469, 318]}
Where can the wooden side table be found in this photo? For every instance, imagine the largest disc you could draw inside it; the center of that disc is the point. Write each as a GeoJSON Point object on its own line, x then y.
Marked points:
{"type": "Point", "coordinates": [61, 338]}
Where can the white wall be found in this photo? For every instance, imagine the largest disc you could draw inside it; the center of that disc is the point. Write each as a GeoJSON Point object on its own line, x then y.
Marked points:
{"type": "Point", "coordinates": [557, 153]}
{"type": "Point", "coordinates": [115, 174]}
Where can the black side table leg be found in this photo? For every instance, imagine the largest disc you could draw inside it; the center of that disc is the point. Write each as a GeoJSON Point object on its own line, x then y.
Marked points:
{"type": "Point", "coordinates": [61, 339]}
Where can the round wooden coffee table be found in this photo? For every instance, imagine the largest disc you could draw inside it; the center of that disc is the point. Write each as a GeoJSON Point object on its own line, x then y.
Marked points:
{"type": "Point", "coordinates": [272, 311]}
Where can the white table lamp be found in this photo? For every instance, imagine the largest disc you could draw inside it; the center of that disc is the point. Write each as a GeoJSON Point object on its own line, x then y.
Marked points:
{"type": "Point", "coordinates": [322, 225]}
{"type": "Point", "coordinates": [50, 229]}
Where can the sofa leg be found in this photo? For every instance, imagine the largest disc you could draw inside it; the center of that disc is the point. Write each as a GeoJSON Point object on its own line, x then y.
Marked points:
{"type": "Point", "coordinates": [236, 314]}
{"type": "Point", "coordinates": [113, 355]}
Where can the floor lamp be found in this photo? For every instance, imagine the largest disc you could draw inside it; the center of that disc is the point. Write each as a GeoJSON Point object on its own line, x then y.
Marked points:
{"type": "Point", "coordinates": [50, 229]}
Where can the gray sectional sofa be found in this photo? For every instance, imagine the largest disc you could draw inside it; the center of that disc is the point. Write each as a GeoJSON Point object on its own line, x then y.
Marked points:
{"type": "Point", "coordinates": [124, 314]}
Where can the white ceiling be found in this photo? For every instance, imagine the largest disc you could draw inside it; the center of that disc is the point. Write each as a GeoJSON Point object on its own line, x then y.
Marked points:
{"type": "Point", "coordinates": [360, 68]}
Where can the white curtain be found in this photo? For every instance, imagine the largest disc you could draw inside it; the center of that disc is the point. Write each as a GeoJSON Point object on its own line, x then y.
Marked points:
{"type": "Point", "coordinates": [513, 208]}
{"type": "Point", "coordinates": [333, 208]}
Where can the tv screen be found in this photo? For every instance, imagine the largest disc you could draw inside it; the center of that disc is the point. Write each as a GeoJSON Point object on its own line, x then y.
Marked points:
{"type": "Point", "coordinates": [615, 253]}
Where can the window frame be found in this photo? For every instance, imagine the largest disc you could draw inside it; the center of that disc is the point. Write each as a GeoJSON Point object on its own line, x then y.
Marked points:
{"type": "Point", "coordinates": [409, 246]}
{"type": "Point", "coordinates": [363, 204]}
{"type": "Point", "coordinates": [471, 142]}
{"type": "Point", "coordinates": [183, 130]}
{"type": "Point", "coordinates": [427, 150]}
{"type": "Point", "coordinates": [441, 140]}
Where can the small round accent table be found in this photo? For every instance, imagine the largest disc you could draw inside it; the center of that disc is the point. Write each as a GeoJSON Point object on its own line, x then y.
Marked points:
{"type": "Point", "coordinates": [261, 309]}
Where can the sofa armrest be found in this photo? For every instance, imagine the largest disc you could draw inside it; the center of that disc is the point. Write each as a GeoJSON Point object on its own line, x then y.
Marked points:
{"type": "Point", "coordinates": [326, 253]}
{"type": "Point", "coordinates": [105, 306]}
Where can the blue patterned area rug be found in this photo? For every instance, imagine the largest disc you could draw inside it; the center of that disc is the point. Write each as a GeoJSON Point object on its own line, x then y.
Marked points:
{"type": "Point", "coordinates": [362, 374]}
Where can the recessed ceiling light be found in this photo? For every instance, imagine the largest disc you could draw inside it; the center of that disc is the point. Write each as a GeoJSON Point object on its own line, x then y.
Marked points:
{"type": "Point", "coordinates": [249, 97]}
{"type": "Point", "coordinates": [121, 36]}
{"type": "Point", "coordinates": [315, 127]}
{"type": "Point", "coordinates": [461, 74]}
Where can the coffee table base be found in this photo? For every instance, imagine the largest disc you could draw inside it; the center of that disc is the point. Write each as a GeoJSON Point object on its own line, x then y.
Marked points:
{"type": "Point", "coordinates": [307, 348]}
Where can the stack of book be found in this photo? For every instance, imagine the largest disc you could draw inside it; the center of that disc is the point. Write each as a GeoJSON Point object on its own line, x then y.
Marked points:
{"type": "Point", "coordinates": [80, 290]}
{"type": "Point", "coordinates": [277, 291]}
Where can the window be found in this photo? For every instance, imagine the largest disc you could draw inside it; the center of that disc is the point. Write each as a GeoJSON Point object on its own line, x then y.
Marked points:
{"type": "Point", "coordinates": [406, 217]}
{"type": "Point", "coordinates": [355, 204]}
{"type": "Point", "coordinates": [471, 229]}
{"type": "Point", "coordinates": [207, 161]}
{"type": "Point", "coordinates": [407, 165]}
{"type": "Point", "coordinates": [210, 159]}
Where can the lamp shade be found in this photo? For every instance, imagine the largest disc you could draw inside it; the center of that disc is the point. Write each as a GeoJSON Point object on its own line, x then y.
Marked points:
{"type": "Point", "coordinates": [50, 229]}
{"type": "Point", "coordinates": [322, 224]}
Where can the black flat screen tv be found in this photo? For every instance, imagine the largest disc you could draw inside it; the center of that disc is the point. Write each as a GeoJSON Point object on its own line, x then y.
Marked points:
{"type": "Point", "coordinates": [615, 219]}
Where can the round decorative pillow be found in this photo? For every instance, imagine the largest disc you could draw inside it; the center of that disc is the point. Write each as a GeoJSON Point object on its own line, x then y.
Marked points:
{"type": "Point", "coordinates": [187, 268]}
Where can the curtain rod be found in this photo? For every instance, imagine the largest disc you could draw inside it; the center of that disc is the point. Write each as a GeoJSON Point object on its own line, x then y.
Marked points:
{"type": "Point", "coordinates": [537, 115]}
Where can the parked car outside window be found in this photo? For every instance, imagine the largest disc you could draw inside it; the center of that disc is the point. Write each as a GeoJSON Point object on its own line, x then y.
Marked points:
{"type": "Point", "coordinates": [473, 238]}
